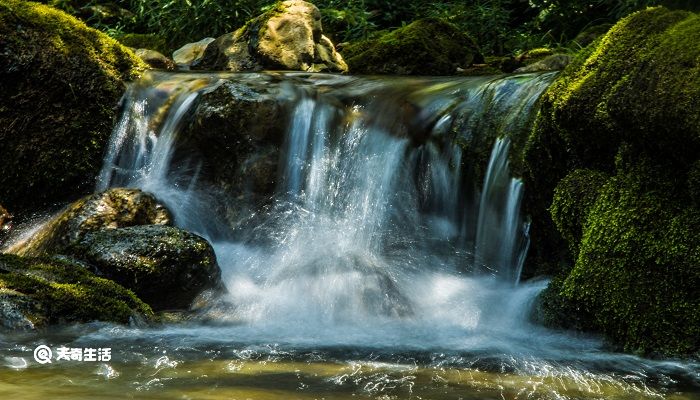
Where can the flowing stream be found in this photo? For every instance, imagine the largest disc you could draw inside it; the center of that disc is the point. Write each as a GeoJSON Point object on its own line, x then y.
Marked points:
{"type": "Point", "coordinates": [384, 263]}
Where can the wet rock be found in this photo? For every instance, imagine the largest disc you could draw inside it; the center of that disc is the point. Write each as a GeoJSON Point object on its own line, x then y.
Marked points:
{"type": "Point", "coordinates": [5, 223]}
{"type": "Point", "coordinates": [289, 37]}
{"type": "Point", "coordinates": [19, 311]}
{"type": "Point", "coordinates": [155, 59]}
{"type": "Point", "coordinates": [239, 130]}
{"type": "Point", "coordinates": [114, 208]}
{"type": "Point", "coordinates": [165, 266]}
{"type": "Point", "coordinates": [61, 83]}
{"type": "Point", "coordinates": [35, 292]}
{"type": "Point", "coordinates": [191, 54]}
{"type": "Point", "coordinates": [554, 62]}
{"type": "Point", "coordinates": [425, 47]}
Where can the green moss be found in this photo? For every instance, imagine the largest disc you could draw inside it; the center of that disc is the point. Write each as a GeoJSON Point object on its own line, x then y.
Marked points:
{"type": "Point", "coordinates": [638, 269]}
{"type": "Point", "coordinates": [573, 198]}
{"type": "Point", "coordinates": [61, 82]}
{"type": "Point", "coordinates": [424, 47]}
{"type": "Point", "coordinates": [67, 292]}
{"type": "Point", "coordinates": [145, 41]}
{"type": "Point", "coordinates": [626, 107]}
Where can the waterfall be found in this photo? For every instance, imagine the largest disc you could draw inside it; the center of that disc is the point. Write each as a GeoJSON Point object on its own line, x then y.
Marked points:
{"type": "Point", "coordinates": [380, 211]}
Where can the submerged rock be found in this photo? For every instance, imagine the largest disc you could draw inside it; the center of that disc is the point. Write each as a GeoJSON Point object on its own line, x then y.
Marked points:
{"type": "Point", "coordinates": [165, 266]}
{"type": "Point", "coordinates": [35, 292]}
{"type": "Point", "coordinates": [114, 208]}
{"type": "Point", "coordinates": [424, 47]}
{"type": "Point", "coordinates": [627, 111]}
{"type": "Point", "coordinates": [288, 37]}
{"type": "Point", "coordinates": [60, 82]}
{"type": "Point", "coordinates": [191, 54]}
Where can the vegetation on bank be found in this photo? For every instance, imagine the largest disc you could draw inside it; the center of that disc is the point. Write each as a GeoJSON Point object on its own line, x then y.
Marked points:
{"type": "Point", "coordinates": [626, 111]}
{"type": "Point", "coordinates": [501, 27]}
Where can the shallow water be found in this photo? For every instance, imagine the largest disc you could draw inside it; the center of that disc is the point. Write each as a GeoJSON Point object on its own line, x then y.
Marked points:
{"type": "Point", "coordinates": [232, 362]}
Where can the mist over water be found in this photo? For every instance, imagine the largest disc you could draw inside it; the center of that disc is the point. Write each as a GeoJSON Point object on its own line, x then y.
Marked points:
{"type": "Point", "coordinates": [387, 238]}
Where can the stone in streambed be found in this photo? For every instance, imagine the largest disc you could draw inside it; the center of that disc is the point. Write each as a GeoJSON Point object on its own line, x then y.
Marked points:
{"type": "Point", "coordinates": [35, 292]}
{"type": "Point", "coordinates": [165, 266]}
{"type": "Point", "coordinates": [114, 208]}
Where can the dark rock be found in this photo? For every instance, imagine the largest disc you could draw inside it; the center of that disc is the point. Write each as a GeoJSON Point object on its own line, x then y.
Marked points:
{"type": "Point", "coordinates": [165, 266]}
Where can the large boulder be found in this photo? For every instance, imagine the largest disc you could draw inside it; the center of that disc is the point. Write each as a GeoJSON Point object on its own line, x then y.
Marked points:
{"type": "Point", "coordinates": [238, 129]}
{"type": "Point", "coordinates": [424, 47]}
{"type": "Point", "coordinates": [627, 111]}
{"type": "Point", "coordinates": [35, 292]}
{"type": "Point", "coordinates": [288, 37]}
{"type": "Point", "coordinates": [165, 266]}
{"type": "Point", "coordinates": [61, 83]}
{"type": "Point", "coordinates": [114, 208]}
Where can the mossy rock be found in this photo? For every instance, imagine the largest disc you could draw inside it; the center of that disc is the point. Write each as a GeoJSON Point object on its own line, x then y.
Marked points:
{"type": "Point", "coordinates": [625, 108]}
{"type": "Point", "coordinates": [573, 198]}
{"type": "Point", "coordinates": [113, 208]}
{"type": "Point", "coordinates": [638, 270]}
{"type": "Point", "coordinates": [165, 266]}
{"type": "Point", "coordinates": [61, 83]}
{"type": "Point", "coordinates": [35, 292]}
{"type": "Point", "coordinates": [424, 47]}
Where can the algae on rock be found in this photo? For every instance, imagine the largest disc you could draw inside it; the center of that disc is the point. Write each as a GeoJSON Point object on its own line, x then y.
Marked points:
{"type": "Point", "coordinates": [35, 292]}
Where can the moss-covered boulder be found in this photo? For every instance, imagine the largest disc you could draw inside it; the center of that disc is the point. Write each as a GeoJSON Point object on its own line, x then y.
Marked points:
{"type": "Point", "coordinates": [114, 208]}
{"type": "Point", "coordinates": [61, 83]}
{"type": "Point", "coordinates": [165, 266]}
{"type": "Point", "coordinates": [35, 292]}
{"type": "Point", "coordinates": [289, 36]}
{"type": "Point", "coordinates": [627, 108]}
{"type": "Point", "coordinates": [424, 47]}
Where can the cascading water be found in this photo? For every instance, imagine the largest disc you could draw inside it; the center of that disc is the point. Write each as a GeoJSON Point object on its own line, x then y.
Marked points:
{"type": "Point", "coordinates": [389, 235]}
{"type": "Point", "coordinates": [362, 212]}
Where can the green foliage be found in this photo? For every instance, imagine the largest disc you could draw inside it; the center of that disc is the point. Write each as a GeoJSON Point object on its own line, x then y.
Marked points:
{"type": "Point", "coordinates": [424, 47]}
{"type": "Point", "coordinates": [184, 21]}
